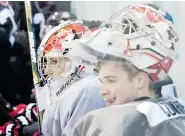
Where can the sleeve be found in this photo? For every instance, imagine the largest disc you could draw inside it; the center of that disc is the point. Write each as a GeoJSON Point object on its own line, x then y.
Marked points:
{"type": "Point", "coordinates": [71, 108]}
{"type": "Point", "coordinates": [82, 126]}
{"type": "Point", "coordinates": [83, 107]}
{"type": "Point", "coordinates": [88, 125]}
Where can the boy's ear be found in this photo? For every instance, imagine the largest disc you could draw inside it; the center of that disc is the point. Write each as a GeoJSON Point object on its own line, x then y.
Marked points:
{"type": "Point", "coordinates": [141, 80]}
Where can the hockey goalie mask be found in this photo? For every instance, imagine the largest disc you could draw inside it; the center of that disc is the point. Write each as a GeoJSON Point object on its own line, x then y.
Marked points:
{"type": "Point", "coordinates": [57, 18]}
{"type": "Point", "coordinates": [140, 35]}
{"type": "Point", "coordinates": [52, 60]}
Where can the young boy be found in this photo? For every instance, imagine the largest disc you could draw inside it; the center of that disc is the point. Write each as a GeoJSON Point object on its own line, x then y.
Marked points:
{"type": "Point", "coordinates": [135, 54]}
{"type": "Point", "coordinates": [72, 87]}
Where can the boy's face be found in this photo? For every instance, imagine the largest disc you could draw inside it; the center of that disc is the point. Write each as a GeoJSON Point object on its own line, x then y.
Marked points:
{"type": "Point", "coordinates": [55, 67]}
{"type": "Point", "coordinates": [116, 88]}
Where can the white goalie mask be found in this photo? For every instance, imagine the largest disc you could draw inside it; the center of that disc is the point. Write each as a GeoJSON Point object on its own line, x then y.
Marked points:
{"type": "Point", "coordinates": [139, 34]}
{"type": "Point", "coordinates": [54, 61]}
{"type": "Point", "coordinates": [59, 63]}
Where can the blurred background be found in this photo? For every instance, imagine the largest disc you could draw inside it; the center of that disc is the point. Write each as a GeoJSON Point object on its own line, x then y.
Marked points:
{"type": "Point", "coordinates": [16, 81]}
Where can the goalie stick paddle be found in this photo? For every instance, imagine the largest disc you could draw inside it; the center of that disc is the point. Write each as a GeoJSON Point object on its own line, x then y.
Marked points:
{"type": "Point", "coordinates": [32, 44]}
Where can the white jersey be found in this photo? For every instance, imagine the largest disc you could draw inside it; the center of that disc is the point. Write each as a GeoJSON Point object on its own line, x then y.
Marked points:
{"type": "Point", "coordinates": [80, 98]}
{"type": "Point", "coordinates": [151, 117]}
{"type": "Point", "coordinates": [47, 95]}
{"type": "Point", "coordinates": [50, 93]}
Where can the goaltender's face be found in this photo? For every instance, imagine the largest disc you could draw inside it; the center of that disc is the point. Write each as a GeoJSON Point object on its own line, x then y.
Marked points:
{"type": "Point", "coordinates": [55, 66]}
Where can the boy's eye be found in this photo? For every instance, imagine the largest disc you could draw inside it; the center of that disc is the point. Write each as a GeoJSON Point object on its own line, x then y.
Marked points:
{"type": "Point", "coordinates": [53, 62]}
{"type": "Point", "coordinates": [111, 81]}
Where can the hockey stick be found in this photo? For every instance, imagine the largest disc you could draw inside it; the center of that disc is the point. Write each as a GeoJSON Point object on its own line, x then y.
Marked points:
{"type": "Point", "coordinates": [9, 107]}
{"type": "Point", "coordinates": [32, 44]}
{"type": "Point", "coordinates": [11, 118]}
{"type": "Point", "coordinates": [5, 103]}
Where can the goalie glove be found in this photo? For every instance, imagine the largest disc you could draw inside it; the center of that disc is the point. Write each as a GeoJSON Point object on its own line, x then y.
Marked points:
{"type": "Point", "coordinates": [25, 114]}
{"type": "Point", "coordinates": [18, 110]}
{"type": "Point", "coordinates": [10, 129]}
{"type": "Point", "coordinates": [32, 112]}
{"type": "Point", "coordinates": [19, 114]}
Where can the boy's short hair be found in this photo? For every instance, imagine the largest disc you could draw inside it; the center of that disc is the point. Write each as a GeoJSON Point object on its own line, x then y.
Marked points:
{"type": "Point", "coordinates": [129, 68]}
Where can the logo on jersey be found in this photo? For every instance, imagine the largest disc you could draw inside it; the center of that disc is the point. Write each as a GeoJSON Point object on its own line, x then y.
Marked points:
{"type": "Point", "coordinates": [87, 62]}
{"type": "Point", "coordinates": [159, 112]}
{"type": "Point", "coordinates": [172, 108]}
